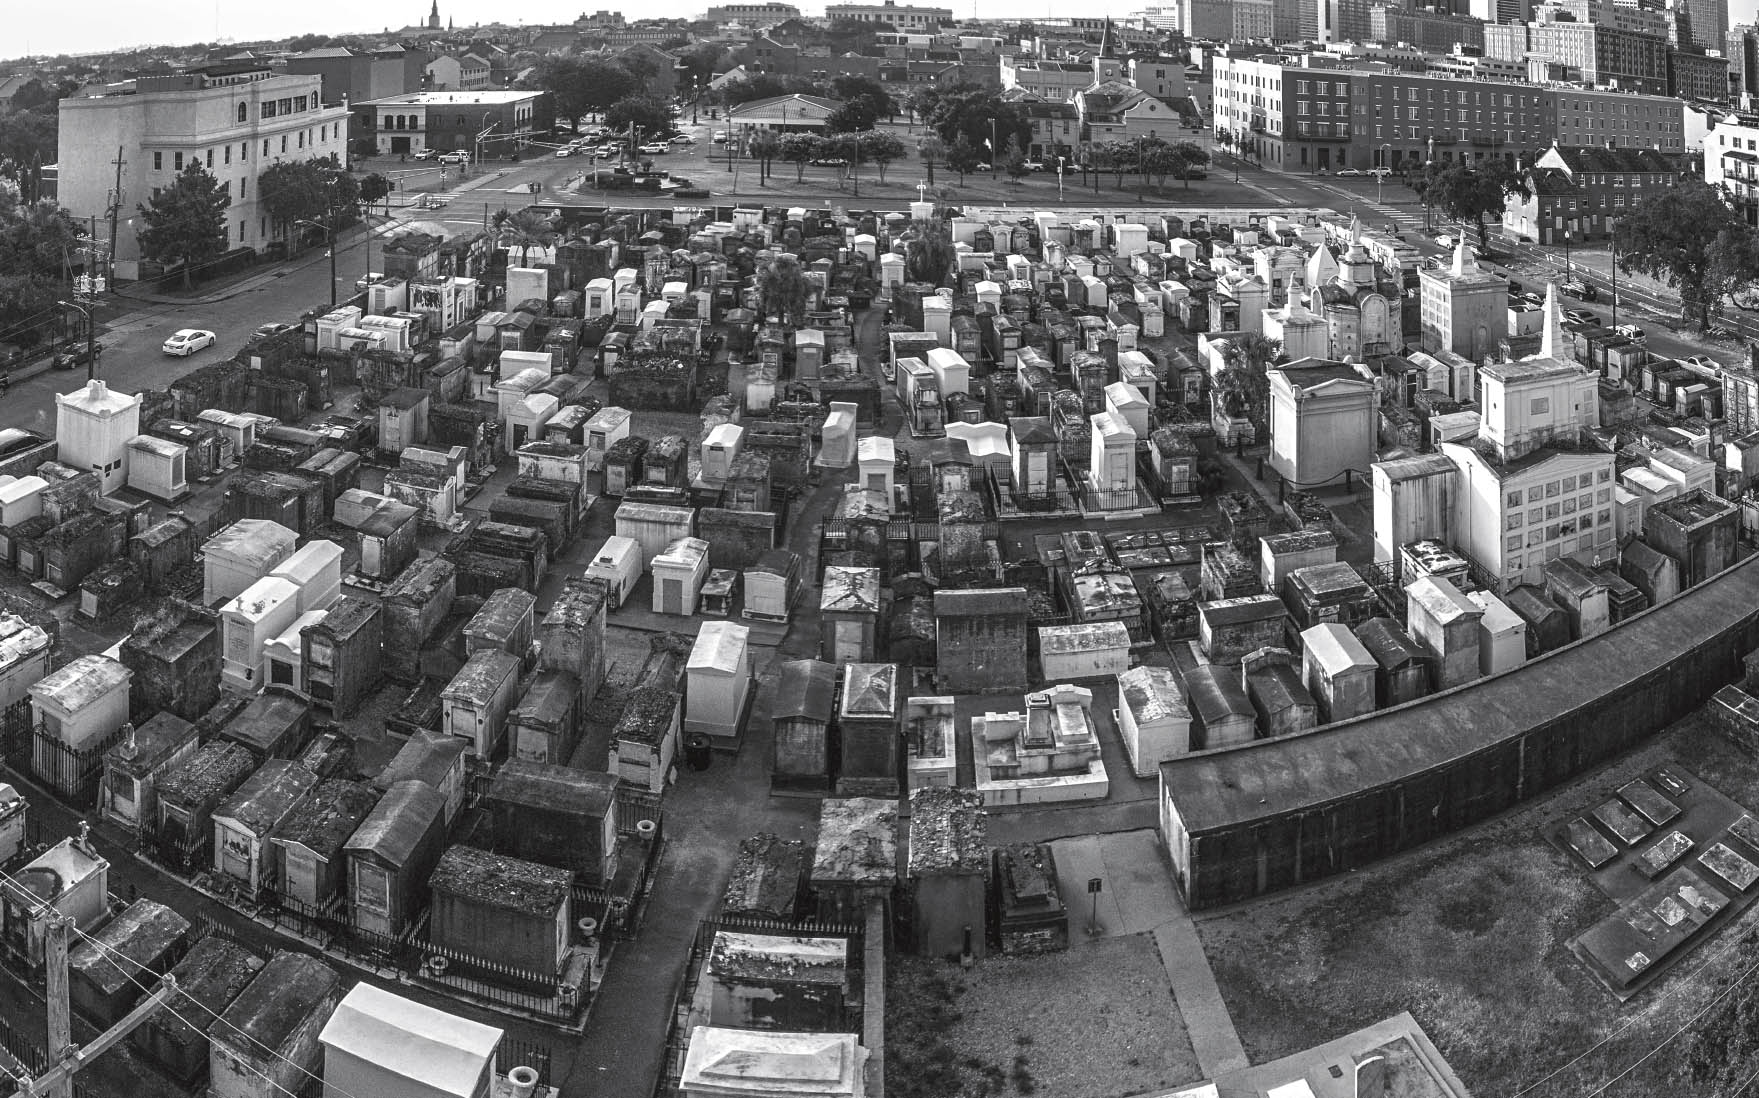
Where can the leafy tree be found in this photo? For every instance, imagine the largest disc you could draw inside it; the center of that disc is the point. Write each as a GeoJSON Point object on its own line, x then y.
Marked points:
{"type": "Point", "coordinates": [782, 289]}
{"type": "Point", "coordinates": [311, 42]}
{"type": "Point", "coordinates": [644, 112]}
{"type": "Point", "coordinates": [1014, 159]}
{"type": "Point", "coordinates": [1243, 382]}
{"type": "Point", "coordinates": [962, 157]}
{"type": "Point", "coordinates": [641, 66]}
{"type": "Point", "coordinates": [1189, 156]}
{"type": "Point", "coordinates": [579, 85]}
{"type": "Point", "coordinates": [36, 239]}
{"type": "Point", "coordinates": [763, 147]}
{"type": "Point", "coordinates": [855, 116]}
{"type": "Point", "coordinates": [854, 35]}
{"type": "Point", "coordinates": [1671, 236]}
{"type": "Point", "coordinates": [852, 88]}
{"type": "Point", "coordinates": [28, 140]}
{"type": "Point", "coordinates": [932, 150]}
{"type": "Point", "coordinates": [306, 190]}
{"type": "Point", "coordinates": [881, 148]}
{"type": "Point", "coordinates": [374, 188]}
{"type": "Point", "coordinates": [800, 149]}
{"type": "Point", "coordinates": [524, 230]}
{"type": "Point", "coordinates": [186, 222]}
{"type": "Point", "coordinates": [1734, 263]}
{"type": "Point", "coordinates": [1121, 155]}
{"type": "Point", "coordinates": [763, 85]}
{"type": "Point", "coordinates": [1474, 194]}
{"type": "Point", "coordinates": [976, 113]}
{"type": "Point", "coordinates": [929, 253]}
{"type": "Point", "coordinates": [702, 62]}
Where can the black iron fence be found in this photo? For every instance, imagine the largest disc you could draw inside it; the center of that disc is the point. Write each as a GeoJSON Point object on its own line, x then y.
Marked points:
{"type": "Point", "coordinates": [20, 1053]}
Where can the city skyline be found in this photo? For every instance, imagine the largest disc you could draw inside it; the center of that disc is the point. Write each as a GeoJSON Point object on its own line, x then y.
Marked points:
{"type": "Point", "coordinates": [112, 25]}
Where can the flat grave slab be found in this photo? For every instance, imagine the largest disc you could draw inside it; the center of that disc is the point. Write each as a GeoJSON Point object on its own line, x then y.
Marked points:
{"type": "Point", "coordinates": [1588, 843]}
{"type": "Point", "coordinates": [1658, 859]}
{"type": "Point", "coordinates": [1623, 947]}
{"type": "Point", "coordinates": [1629, 827]}
{"type": "Point", "coordinates": [1654, 807]}
{"type": "Point", "coordinates": [1722, 861]}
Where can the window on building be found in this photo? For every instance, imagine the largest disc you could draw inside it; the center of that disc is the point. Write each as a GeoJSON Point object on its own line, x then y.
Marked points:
{"type": "Point", "coordinates": [1535, 537]}
{"type": "Point", "coordinates": [283, 142]}
{"type": "Point", "coordinates": [243, 116]}
{"type": "Point", "coordinates": [1542, 406]}
{"type": "Point", "coordinates": [210, 158]}
{"type": "Point", "coordinates": [1535, 493]}
{"type": "Point", "coordinates": [1514, 521]}
{"type": "Point", "coordinates": [265, 146]}
{"type": "Point", "coordinates": [158, 161]}
{"type": "Point", "coordinates": [241, 232]}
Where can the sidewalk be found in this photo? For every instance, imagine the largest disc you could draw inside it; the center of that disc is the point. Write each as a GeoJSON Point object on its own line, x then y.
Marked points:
{"type": "Point", "coordinates": [1137, 897]}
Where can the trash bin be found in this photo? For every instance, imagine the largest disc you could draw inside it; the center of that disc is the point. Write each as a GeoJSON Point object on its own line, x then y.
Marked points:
{"type": "Point", "coordinates": [698, 751]}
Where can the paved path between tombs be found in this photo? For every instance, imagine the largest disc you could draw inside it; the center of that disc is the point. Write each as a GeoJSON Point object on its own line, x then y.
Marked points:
{"type": "Point", "coordinates": [1137, 897]}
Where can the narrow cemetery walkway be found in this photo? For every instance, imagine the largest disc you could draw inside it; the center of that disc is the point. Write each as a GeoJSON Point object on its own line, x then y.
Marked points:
{"type": "Point", "coordinates": [1137, 897]}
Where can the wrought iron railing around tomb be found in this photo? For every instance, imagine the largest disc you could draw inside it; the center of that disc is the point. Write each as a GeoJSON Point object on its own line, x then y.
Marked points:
{"type": "Point", "coordinates": [72, 774]}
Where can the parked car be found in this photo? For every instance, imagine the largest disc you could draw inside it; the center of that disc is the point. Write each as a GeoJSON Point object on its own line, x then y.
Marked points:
{"type": "Point", "coordinates": [683, 139]}
{"type": "Point", "coordinates": [1580, 316]}
{"type": "Point", "coordinates": [423, 154]}
{"type": "Point", "coordinates": [1575, 287]}
{"type": "Point", "coordinates": [655, 148]}
{"type": "Point", "coordinates": [983, 166]}
{"type": "Point", "coordinates": [266, 330]}
{"type": "Point", "coordinates": [829, 162]}
{"type": "Point", "coordinates": [1703, 362]}
{"type": "Point", "coordinates": [77, 354]}
{"type": "Point", "coordinates": [1380, 172]}
{"type": "Point", "coordinates": [1445, 240]}
{"type": "Point", "coordinates": [1037, 166]}
{"type": "Point", "coordinates": [431, 201]}
{"type": "Point", "coordinates": [459, 157]}
{"type": "Point", "coordinates": [360, 284]}
{"type": "Point", "coordinates": [1351, 172]}
{"type": "Point", "coordinates": [187, 341]}
{"type": "Point", "coordinates": [565, 150]}
{"type": "Point", "coordinates": [1633, 333]}
{"type": "Point", "coordinates": [16, 440]}
{"type": "Point", "coordinates": [721, 137]}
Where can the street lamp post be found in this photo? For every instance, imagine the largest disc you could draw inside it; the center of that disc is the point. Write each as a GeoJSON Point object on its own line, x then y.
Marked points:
{"type": "Point", "coordinates": [1061, 160]}
{"type": "Point", "coordinates": [1386, 164]}
{"type": "Point", "coordinates": [330, 238]}
{"type": "Point", "coordinates": [91, 337]}
{"type": "Point", "coordinates": [995, 149]}
{"type": "Point", "coordinates": [1566, 255]}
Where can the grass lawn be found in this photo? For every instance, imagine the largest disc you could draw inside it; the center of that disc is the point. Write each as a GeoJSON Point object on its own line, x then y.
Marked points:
{"type": "Point", "coordinates": [1095, 1021]}
{"type": "Point", "coordinates": [1468, 935]}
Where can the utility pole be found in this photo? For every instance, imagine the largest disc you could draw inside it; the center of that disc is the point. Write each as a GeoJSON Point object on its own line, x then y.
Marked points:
{"type": "Point", "coordinates": [115, 212]}
{"type": "Point", "coordinates": [69, 1059]}
{"type": "Point", "coordinates": [60, 1008]}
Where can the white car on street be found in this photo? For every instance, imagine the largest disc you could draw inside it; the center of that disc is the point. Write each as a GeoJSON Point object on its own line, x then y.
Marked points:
{"type": "Point", "coordinates": [187, 341]}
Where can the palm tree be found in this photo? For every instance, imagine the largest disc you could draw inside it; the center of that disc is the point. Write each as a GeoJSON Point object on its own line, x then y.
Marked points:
{"type": "Point", "coordinates": [1242, 383]}
{"type": "Point", "coordinates": [931, 148]}
{"type": "Point", "coordinates": [524, 230]}
{"type": "Point", "coordinates": [782, 289]}
{"type": "Point", "coordinates": [763, 147]}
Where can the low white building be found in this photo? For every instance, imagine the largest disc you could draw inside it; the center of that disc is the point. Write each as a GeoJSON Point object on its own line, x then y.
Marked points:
{"type": "Point", "coordinates": [93, 427]}
{"type": "Point", "coordinates": [717, 679]}
{"type": "Point", "coordinates": [383, 1044]}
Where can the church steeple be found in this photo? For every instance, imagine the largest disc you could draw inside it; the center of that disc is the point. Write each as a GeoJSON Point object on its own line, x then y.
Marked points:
{"type": "Point", "coordinates": [434, 16]}
{"type": "Point", "coordinates": [1108, 46]}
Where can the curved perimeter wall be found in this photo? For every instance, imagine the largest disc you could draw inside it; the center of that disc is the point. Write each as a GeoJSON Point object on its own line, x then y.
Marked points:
{"type": "Point", "coordinates": [1240, 822]}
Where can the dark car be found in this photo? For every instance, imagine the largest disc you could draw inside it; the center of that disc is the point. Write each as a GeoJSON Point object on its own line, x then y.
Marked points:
{"type": "Point", "coordinates": [75, 355]}
{"type": "Point", "coordinates": [265, 331]}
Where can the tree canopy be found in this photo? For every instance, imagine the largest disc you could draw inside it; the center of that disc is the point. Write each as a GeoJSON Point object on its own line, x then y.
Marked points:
{"type": "Point", "coordinates": [306, 190]}
{"type": "Point", "coordinates": [37, 241]}
{"type": "Point", "coordinates": [1475, 193]}
{"type": "Point", "coordinates": [1678, 236]}
{"type": "Point", "coordinates": [648, 112]}
{"type": "Point", "coordinates": [973, 113]}
{"type": "Point", "coordinates": [853, 88]}
{"type": "Point", "coordinates": [186, 222]}
{"type": "Point", "coordinates": [580, 85]}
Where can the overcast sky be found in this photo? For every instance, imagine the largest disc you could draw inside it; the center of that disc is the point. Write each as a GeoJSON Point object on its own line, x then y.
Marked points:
{"type": "Point", "coordinates": [34, 27]}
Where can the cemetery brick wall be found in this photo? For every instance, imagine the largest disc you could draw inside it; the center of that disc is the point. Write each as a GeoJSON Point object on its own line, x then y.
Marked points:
{"type": "Point", "coordinates": [1593, 719]}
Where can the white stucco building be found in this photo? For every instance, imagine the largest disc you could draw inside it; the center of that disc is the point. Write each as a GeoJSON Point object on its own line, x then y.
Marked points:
{"type": "Point", "coordinates": [235, 120]}
{"type": "Point", "coordinates": [1463, 308]}
{"type": "Point", "coordinates": [1323, 421]}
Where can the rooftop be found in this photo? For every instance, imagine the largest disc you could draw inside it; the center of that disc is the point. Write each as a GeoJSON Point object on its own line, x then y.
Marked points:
{"type": "Point", "coordinates": [289, 990]}
{"type": "Point", "coordinates": [857, 841]}
{"type": "Point", "coordinates": [495, 880]}
{"type": "Point", "coordinates": [586, 794]}
{"type": "Point", "coordinates": [766, 878]}
{"type": "Point", "coordinates": [482, 98]}
{"type": "Point", "coordinates": [439, 1053]}
{"type": "Point", "coordinates": [947, 832]}
{"type": "Point", "coordinates": [81, 683]}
